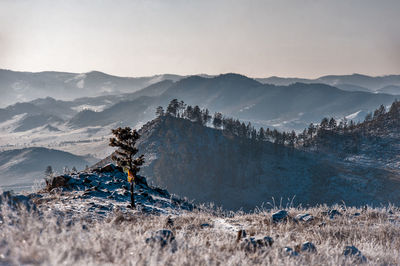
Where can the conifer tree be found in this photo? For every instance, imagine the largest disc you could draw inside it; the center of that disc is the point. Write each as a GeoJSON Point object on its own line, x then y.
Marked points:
{"type": "Point", "coordinates": [261, 134]}
{"type": "Point", "coordinates": [173, 108]}
{"type": "Point", "coordinates": [159, 111]}
{"type": "Point", "coordinates": [332, 123]}
{"type": "Point", "coordinates": [125, 140]}
{"type": "Point", "coordinates": [217, 121]}
{"type": "Point", "coordinates": [49, 171]}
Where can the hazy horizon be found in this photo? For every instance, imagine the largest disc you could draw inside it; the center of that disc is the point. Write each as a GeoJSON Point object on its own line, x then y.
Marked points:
{"type": "Point", "coordinates": [194, 74]}
{"type": "Point", "coordinates": [304, 38]}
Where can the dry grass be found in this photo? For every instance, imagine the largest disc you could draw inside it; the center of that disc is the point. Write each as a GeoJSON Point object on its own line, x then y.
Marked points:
{"type": "Point", "coordinates": [202, 238]}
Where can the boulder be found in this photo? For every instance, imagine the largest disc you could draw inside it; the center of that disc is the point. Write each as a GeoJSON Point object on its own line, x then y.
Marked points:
{"type": "Point", "coordinates": [304, 217]}
{"type": "Point", "coordinates": [332, 213]}
{"type": "Point", "coordinates": [308, 247]}
{"type": "Point", "coordinates": [253, 244]}
{"type": "Point", "coordinates": [279, 216]}
{"type": "Point", "coordinates": [290, 252]}
{"type": "Point", "coordinates": [57, 181]}
{"type": "Point", "coordinates": [353, 252]}
{"type": "Point", "coordinates": [108, 168]}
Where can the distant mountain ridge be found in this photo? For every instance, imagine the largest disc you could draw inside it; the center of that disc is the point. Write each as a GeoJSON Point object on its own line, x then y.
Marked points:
{"type": "Point", "coordinates": [354, 82]}
{"type": "Point", "coordinates": [285, 107]}
{"type": "Point", "coordinates": [27, 86]}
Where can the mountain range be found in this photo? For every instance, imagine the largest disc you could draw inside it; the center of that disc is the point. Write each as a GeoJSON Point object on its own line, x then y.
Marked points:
{"type": "Point", "coordinates": [285, 107]}
{"type": "Point", "coordinates": [82, 126]}
{"type": "Point", "coordinates": [355, 82]}
{"type": "Point", "coordinates": [26, 86]}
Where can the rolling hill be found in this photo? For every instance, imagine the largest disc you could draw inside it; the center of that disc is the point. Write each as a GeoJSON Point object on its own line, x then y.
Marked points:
{"type": "Point", "coordinates": [20, 168]}
{"type": "Point", "coordinates": [206, 164]}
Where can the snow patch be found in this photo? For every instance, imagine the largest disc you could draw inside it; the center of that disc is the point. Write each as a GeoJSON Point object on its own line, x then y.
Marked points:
{"type": "Point", "coordinates": [247, 107]}
{"type": "Point", "coordinates": [353, 115]}
{"type": "Point", "coordinates": [95, 108]}
{"type": "Point", "coordinates": [80, 84]}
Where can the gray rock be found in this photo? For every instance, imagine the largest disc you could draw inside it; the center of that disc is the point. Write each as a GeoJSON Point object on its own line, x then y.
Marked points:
{"type": "Point", "coordinates": [253, 244]}
{"type": "Point", "coordinates": [161, 237]}
{"type": "Point", "coordinates": [353, 252]}
{"type": "Point", "coordinates": [205, 225]}
{"type": "Point", "coordinates": [279, 216]}
{"type": "Point", "coordinates": [108, 168]}
{"type": "Point", "coordinates": [290, 252]}
{"type": "Point", "coordinates": [332, 213]}
{"type": "Point", "coordinates": [304, 217]}
{"type": "Point", "coordinates": [308, 247]}
{"type": "Point", "coordinates": [57, 181]}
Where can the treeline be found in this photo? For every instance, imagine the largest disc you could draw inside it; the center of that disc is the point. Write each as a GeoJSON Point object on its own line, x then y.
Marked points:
{"type": "Point", "coordinates": [377, 121]}
{"type": "Point", "coordinates": [373, 121]}
{"type": "Point", "coordinates": [229, 125]}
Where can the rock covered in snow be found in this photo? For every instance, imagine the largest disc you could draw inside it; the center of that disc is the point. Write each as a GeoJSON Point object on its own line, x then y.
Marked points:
{"type": "Point", "coordinates": [103, 190]}
{"type": "Point", "coordinates": [290, 252]}
{"type": "Point", "coordinates": [308, 247]}
{"type": "Point", "coordinates": [332, 213]}
{"type": "Point", "coordinates": [353, 252]}
{"type": "Point", "coordinates": [252, 244]}
{"type": "Point", "coordinates": [279, 216]}
{"type": "Point", "coordinates": [304, 217]}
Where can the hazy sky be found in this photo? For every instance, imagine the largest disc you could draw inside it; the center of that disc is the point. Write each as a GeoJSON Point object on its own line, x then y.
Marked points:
{"type": "Point", "coordinates": [307, 38]}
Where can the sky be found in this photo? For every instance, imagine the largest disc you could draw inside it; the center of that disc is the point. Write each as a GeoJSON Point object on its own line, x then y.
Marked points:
{"type": "Point", "coordinates": [298, 38]}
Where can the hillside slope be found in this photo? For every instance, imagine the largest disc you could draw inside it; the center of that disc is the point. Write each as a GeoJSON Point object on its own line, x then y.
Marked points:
{"type": "Point", "coordinates": [207, 165]}
{"type": "Point", "coordinates": [285, 107]}
{"type": "Point", "coordinates": [20, 168]}
{"type": "Point", "coordinates": [83, 219]}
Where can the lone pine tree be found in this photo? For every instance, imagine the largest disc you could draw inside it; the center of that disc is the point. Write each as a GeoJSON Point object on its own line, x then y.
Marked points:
{"type": "Point", "coordinates": [125, 139]}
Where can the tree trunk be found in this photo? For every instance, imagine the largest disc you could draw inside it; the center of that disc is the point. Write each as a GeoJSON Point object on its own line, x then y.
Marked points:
{"type": "Point", "coordinates": [132, 196]}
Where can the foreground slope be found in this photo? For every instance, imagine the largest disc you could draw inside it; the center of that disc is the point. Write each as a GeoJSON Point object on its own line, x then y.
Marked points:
{"type": "Point", "coordinates": [209, 165]}
{"type": "Point", "coordinates": [83, 220]}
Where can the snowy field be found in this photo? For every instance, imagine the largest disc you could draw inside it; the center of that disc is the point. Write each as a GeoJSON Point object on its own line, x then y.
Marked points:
{"type": "Point", "coordinates": [200, 238]}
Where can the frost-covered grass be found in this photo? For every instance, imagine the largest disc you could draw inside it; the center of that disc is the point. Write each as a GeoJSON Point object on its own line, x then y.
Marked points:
{"type": "Point", "coordinates": [203, 237]}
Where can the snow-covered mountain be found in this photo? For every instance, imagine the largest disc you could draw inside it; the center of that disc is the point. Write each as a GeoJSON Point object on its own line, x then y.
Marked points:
{"type": "Point", "coordinates": [82, 126]}
{"type": "Point", "coordinates": [284, 107]}
{"type": "Point", "coordinates": [26, 86]}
